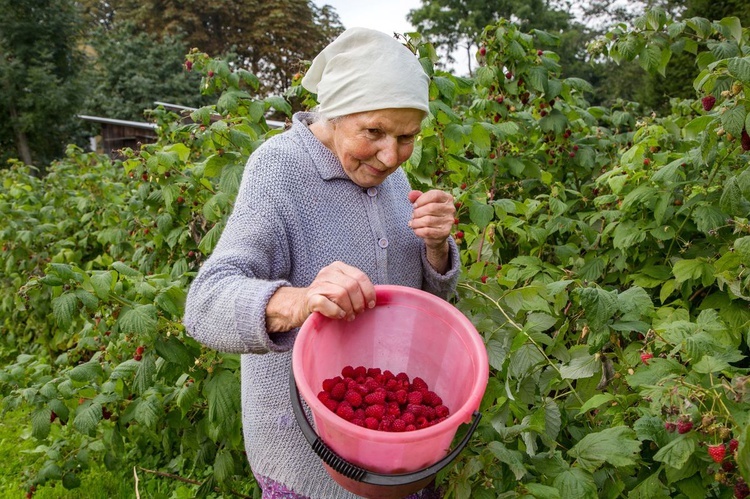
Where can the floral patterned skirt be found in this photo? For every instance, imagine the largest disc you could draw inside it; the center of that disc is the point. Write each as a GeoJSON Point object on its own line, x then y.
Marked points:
{"type": "Point", "coordinates": [275, 490]}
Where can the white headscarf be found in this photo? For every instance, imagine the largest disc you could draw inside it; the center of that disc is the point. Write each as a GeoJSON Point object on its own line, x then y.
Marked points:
{"type": "Point", "coordinates": [364, 70]}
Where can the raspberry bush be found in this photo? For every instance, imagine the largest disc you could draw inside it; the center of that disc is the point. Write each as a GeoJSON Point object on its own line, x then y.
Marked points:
{"type": "Point", "coordinates": [605, 255]}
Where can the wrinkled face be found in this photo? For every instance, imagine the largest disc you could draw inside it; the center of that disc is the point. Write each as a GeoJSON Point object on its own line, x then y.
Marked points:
{"type": "Point", "coordinates": [372, 144]}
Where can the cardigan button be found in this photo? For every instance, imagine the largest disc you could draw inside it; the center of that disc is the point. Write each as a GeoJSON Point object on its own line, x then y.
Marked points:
{"type": "Point", "coordinates": [383, 242]}
{"type": "Point", "coordinates": [372, 192]}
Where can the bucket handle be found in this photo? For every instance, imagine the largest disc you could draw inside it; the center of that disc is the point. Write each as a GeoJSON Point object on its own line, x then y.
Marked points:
{"type": "Point", "coordinates": [357, 473]}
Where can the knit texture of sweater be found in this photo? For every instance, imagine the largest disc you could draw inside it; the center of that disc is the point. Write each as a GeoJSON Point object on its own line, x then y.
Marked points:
{"type": "Point", "coordinates": [296, 212]}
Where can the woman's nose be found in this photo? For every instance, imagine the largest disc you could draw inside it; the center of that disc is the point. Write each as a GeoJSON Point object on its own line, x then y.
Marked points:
{"type": "Point", "coordinates": [388, 154]}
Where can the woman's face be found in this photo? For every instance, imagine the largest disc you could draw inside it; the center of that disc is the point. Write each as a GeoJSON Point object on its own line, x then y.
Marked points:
{"type": "Point", "coordinates": [372, 144]}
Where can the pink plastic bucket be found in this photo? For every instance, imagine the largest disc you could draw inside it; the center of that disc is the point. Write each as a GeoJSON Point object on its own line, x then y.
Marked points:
{"type": "Point", "coordinates": [408, 331]}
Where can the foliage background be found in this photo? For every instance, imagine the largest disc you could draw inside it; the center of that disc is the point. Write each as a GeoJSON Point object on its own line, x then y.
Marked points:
{"type": "Point", "coordinates": [604, 250]}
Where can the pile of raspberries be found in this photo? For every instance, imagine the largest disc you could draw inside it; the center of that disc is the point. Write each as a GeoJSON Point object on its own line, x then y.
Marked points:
{"type": "Point", "coordinates": [380, 400]}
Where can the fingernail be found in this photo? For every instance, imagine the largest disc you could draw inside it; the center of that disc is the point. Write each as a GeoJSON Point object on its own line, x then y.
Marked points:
{"type": "Point", "coordinates": [371, 304]}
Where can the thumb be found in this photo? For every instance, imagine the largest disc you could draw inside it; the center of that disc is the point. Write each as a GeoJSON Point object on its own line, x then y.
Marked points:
{"type": "Point", "coordinates": [414, 195]}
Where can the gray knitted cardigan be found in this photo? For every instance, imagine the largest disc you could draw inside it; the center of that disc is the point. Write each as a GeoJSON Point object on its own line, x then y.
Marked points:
{"type": "Point", "coordinates": [296, 212]}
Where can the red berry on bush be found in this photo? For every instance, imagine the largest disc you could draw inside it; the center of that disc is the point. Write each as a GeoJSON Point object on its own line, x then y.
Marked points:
{"type": "Point", "coordinates": [105, 413]}
{"type": "Point", "coordinates": [189, 65]}
{"type": "Point", "coordinates": [52, 417]}
{"type": "Point", "coordinates": [482, 51]}
{"type": "Point", "coordinates": [684, 427]}
{"type": "Point", "coordinates": [670, 426]}
{"type": "Point", "coordinates": [741, 490]}
{"type": "Point", "coordinates": [745, 141]}
{"type": "Point", "coordinates": [140, 350]}
{"type": "Point", "coordinates": [708, 102]}
{"type": "Point", "coordinates": [732, 445]}
{"type": "Point", "coordinates": [484, 279]}
{"type": "Point", "coordinates": [646, 161]}
{"type": "Point", "coordinates": [717, 452]}
{"type": "Point", "coordinates": [459, 234]}
{"type": "Point", "coordinates": [645, 357]}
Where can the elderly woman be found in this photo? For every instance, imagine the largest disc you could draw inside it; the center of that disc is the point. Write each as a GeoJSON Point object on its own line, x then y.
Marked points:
{"type": "Point", "coordinates": [323, 214]}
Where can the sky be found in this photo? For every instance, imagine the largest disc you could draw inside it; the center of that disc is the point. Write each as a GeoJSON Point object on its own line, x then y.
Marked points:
{"type": "Point", "coordinates": [388, 16]}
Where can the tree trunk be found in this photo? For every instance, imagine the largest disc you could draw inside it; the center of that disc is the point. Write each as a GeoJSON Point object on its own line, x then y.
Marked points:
{"type": "Point", "coordinates": [22, 142]}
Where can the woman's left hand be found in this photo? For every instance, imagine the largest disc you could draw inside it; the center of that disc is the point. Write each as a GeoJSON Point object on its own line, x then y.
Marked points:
{"type": "Point", "coordinates": [432, 221]}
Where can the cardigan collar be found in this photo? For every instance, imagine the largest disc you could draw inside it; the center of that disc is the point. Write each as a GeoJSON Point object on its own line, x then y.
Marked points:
{"type": "Point", "coordinates": [328, 165]}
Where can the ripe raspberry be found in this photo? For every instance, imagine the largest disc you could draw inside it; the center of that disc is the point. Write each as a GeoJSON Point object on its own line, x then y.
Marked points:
{"type": "Point", "coordinates": [331, 404]}
{"type": "Point", "coordinates": [359, 413]}
{"type": "Point", "coordinates": [398, 425]}
{"type": "Point", "coordinates": [670, 426]}
{"type": "Point", "coordinates": [372, 423]}
{"type": "Point", "coordinates": [358, 422]}
{"type": "Point", "coordinates": [375, 411]}
{"type": "Point", "coordinates": [354, 398]}
{"type": "Point", "coordinates": [348, 372]}
{"type": "Point", "coordinates": [393, 409]}
{"type": "Point", "coordinates": [370, 385]}
{"type": "Point", "coordinates": [360, 371]}
{"type": "Point", "coordinates": [727, 466]}
{"type": "Point", "coordinates": [137, 357]}
{"type": "Point", "coordinates": [376, 398]}
{"type": "Point", "coordinates": [324, 396]}
{"type": "Point", "coordinates": [717, 452]}
{"type": "Point", "coordinates": [374, 372]}
{"type": "Point", "coordinates": [401, 396]}
{"type": "Point", "coordinates": [408, 417]}
{"type": "Point", "coordinates": [431, 398]}
{"type": "Point", "coordinates": [140, 350]}
{"type": "Point", "coordinates": [339, 391]}
{"type": "Point", "coordinates": [329, 383]}
{"type": "Point", "coordinates": [741, 490]}
{"type": "Point", "coordinates": [645, 357]}
{"type": "Point", "coordinates": [402, 377]}
{"type": "Point", "coordinates": [416, 409]}
{"type": "Point", "coordinates": [441, 411]}
{"type": "Point", "coordinates": [745, 140]}
{"type": "Point", "coordinates": [732, 445]}
{"type": "Point", "coordinates": [345, 411]}
{"type": "Point", "coordinates": [415, 398]}
{"type": "Point", "coordinates": [421, 422]}
{"type": "Point", "coordinates": [52, 417]}
{"type": "Point", "coordinates": [419, 384]}
{"type": "Point", "coordinates": [708, 102]}
{"type": "Point", "coordinates": [684, 427]}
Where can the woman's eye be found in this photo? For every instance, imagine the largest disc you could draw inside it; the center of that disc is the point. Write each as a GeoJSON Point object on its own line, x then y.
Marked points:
{"type": "Point", "coordinates": [406, 139]}
{"type": "Point", "coordinates": [373, 131]}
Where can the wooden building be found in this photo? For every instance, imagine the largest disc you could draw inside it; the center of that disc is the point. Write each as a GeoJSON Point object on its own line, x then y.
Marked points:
{"type": "Point", "coordinates": [118, 134]}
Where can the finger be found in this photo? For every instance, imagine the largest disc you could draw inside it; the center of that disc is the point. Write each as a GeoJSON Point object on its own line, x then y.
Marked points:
{"type": "Point", "coordinates": [413, 195]}
{"type": "Point", "coordinates": [325, 306]}
{"type": "Point", "coordinates": [358, 286]}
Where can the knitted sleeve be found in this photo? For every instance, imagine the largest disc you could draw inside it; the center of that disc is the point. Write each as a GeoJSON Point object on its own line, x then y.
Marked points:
{"type": "Point", "coordinates": [442, 285]}
{"type": "Point", "coordinates": [226, 303]}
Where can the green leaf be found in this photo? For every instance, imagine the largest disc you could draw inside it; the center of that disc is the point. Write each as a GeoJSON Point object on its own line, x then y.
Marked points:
{"type": "Point", "coordinates": [576, 482]}
{"type": "Point", "coordinates": [651, 428]}
{"type": "Point", "coordinates": [186, 397]}
{"type": "Point", "coordinates": [582, 366]}
{"type": "Point", "coordinates": [481, 214]}
{"type": "Point", "coordinates": [634, 303]}
{"type": "Point", "coordinates": [710, 364]}
{"type": "Point", "coordinates": [101, 281]}
{"type": "Point", "coordinates": [686, 270]}
{"type": "Point", "coordinates": [677, 452]}
{"type": "Point", "coordinates": [125, 270]}
{"type": "Point", "coordinates": [743, 451]}
{"type": "Point", "coordinates": [86, 372]}
{"type": "Point", "coordinates": [144, 375]}
{"type": "Point", "coordinates": [739, 68]}
{"type": "Point", "coordinates": [223, 466]}
{"type": "Point", "coordinates": [63, 308]}
{"type": "Point", "coordinates": [174, 351]}
{"type": "Point", "coordinates": [125, 370]}
{"type": "Point", "coordinates": [512, 458]}
{"type": "Point", "coordinates": [616, 446]}
{"type": "Point", "coordinates": [148, 412]}
{"type": "Point", "coordinates": [734, 27]}
{"type": "Point", "coordinates": [87, 417]}
{"type": "Point", "coordinates": [280, 104]}
{"type": "Point", "coordinates": [539, 322]}
{"type": "Point", "coordinates": [733, 120]}
{"type": "Point", "coordinates": [40, 423]}
{"type": "Point", "coordinates": [542, 491]}
{"type": "Point", "coordinates": [555, 122]}
{"type": "Point", "coordinates": [138, 320]}
{"type": "Point", "coordinates": [172, 301]}
{"type": "Point", "coordinates": [650, 488]}
{"type": "Point", "coordinates": [223, 394]}
{"type": "Point", "coordinates": [596, 401]}
{"type": "Point", "coordinates": [523, 360]}
{"type": "Point", "coordinates": [599, 305]}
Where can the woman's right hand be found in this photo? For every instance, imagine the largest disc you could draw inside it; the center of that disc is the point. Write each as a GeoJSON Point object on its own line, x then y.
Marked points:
{"type": "Point", "coordinates": [339, 291]}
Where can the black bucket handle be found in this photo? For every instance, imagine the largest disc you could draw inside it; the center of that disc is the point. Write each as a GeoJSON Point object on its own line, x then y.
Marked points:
{"type": "Point", "coordinates": [357, 473]}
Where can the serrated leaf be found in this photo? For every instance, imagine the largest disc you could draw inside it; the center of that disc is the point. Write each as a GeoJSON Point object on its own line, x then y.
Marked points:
{"type": "Point", "coordinates": [733, 120]}
{"type": "Point", "coordinates": [222, 392]}
{"type": "Point", "coordinates": [599, 305]}
{"type": "Point", "coordinates": [677, 452]}
{"type": "Point", "coordinates": [616, 446]}
{"type": "Point", "coordinates": [125, 370]}
{"type": "Point", "coordinates": [86, 372]}
{"type": "Point", "coordinates": [147, 413]}
{"type": "Point", "coordinates": [40, 422]}
{"type": "Point", "coordinates": [481, 214]}
{"type": "Point", "coordinates": [555, 122]}
{"type": "Point", "coordinates": [172, 301]}
{"type": "Point", "coordinates": [186, 396]}
{"type": "Point", "coordinates": [596, 401]}
{"type": "Point", "coordinates": [144, 375]}
{"type": "Point", "coordinates": [634, 303]}
{"type": "Point", "coordinates": [138, 320]}
{"type": "Point", "coordinates": [87, 417]}
{"type": "Point", "coordinates": [576, 482]}
{"type": "Point", "coordinates": [650, 488]}
{"type": "Point", "coordinates": [223, 466]}
{"type": "Point", "coordinates": [523, 360]}
{"type": "Point", "coordinates": [512, 458]}
{"type": "Point", "coordinates": [63, 308]}
{"type": "Point", "coordinates": [174, 351]}
{"type": "Point", "coordinates": [739, 68]}
{"type": "Point", "coordinates": [581, 367]}
{"type": "Point", "coordinates": [125, 270]}
{"type": "Point", "coordinates": [101, 281]}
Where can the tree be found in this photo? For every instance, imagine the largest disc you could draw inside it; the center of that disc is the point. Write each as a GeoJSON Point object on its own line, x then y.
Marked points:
{"type": "Point", "coordinates": [458, 24]}
{"type": "Point", "coordinates": [134, 69]}
{"type": "Point", "coordinates": [269, 38]}
{"type": "Point", "coordinates": [39, 65]}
